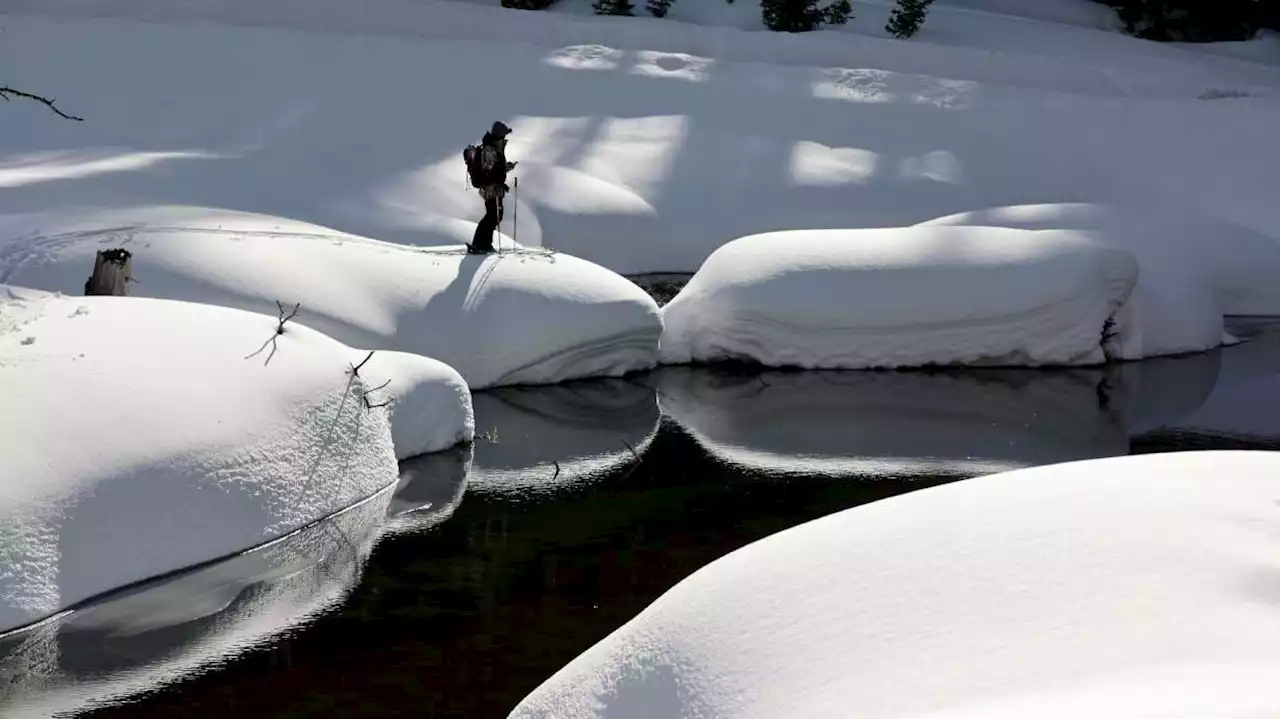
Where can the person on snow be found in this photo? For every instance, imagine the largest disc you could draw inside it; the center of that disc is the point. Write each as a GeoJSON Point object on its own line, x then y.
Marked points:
{"type": "Point", "coordinates": [491, 172]}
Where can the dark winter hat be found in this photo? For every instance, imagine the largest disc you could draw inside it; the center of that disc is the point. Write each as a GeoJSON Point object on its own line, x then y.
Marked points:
{"type": "Point", "coordinates": [500, 129]}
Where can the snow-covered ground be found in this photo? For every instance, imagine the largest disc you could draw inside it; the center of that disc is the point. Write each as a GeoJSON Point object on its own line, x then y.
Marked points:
{"type": "Point", "coordinates": [165, 631]}
{"type": "Point", "coordinates": [644, 144]}
{"type": "Point", "coordinates": [529, 317]}
{"type": "Point", "coordinates": [904, 297]}
{"type": "Point", "coordinates": [140, 440]}
{"type": "Point", "coordinates": [1129, 586]}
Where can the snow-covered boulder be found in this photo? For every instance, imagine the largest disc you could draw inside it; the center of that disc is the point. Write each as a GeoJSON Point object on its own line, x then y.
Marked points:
{"type": "Point", "coordinates": [1138, 586]}
{"type": "Point", "coordinates": [1193, 268]}
{"type": "Point", "coordinates": [141, 438]}
{"type": "Point", "coordinates": [429, 401]}
{"type": "Point", "coordinates": [1240, 264]}
{"type": "Point", "coordinates": [902, 297]}
{"type": "Point", "coordinates": [526, 318]}
{"type": "Point", "coordinates": [544, 439]}
{"type": "Point", "coordinates": [144, 638]}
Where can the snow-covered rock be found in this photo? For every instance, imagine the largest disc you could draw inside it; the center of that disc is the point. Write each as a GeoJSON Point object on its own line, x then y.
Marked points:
{"type": "Point", "coordinates": [1137, 586]}
{"type": "Point", "coordinates": [534, 440]}
{"type": "Point", "coordinates": [1193, 268]}
{"type": "Point", "coordinates": [430, 403]}
{"type": "Point", "coordinates": [162, 632]}
{"type": "Point", "coordinates": [141, 438]}
{"type": "Point", "coordinates": [1240, 264]}
{"type": "Point", "coordinates": [902, 297]}
{"type": "Point", "coordinates": [525, 318]}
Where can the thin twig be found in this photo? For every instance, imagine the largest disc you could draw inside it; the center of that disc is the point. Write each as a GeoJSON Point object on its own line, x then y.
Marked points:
{"type": "Point", "coordinates": [557, 474]}
{"type": "Point", "coordinates": [6, 92]}
{"type": "Point", "coordinates": [279, 331]}
{"type": "Point", "coordinates": [356, 370]}
{"type": "Point", "coordinates": [283, 318]}
{"type": "Point", "coordinates": [633, 449]}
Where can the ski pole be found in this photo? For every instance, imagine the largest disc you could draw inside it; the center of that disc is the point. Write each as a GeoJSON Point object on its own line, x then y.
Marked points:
{"type": "Point", "coordinates": [515, 217]}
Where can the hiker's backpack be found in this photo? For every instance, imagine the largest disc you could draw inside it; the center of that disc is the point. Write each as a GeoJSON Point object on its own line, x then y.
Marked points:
{"type": "Point", "coordinates": [471, 157]}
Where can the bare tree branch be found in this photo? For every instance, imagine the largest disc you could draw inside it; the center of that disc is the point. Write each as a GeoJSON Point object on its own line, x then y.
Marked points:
{"type": "Point", "coordinates": [279, 331]}
{"type": "Point", "coordinates": [356, 369]}
{"type": "Point", "coordinates": [8, 93]}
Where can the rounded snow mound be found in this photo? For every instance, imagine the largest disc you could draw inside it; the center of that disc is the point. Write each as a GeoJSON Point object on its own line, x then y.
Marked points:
{"type": "Point", "coordinates": [145, 436]}
{"type": "Point", "coordinates": [430, 403]}
{"type": "Point", "coordinates": [1194, 269]}
{"type": "Point", "coordinates": [899, 297]}
{"type": "Point", "coordinates": [1241, 264]}
{"type": "Point", "coordinates": [526, 317]}
{"type": "Point", "coordinates": [1139, 585]}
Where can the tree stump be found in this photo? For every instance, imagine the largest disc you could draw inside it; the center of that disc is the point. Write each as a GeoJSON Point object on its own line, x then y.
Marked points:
{"type": "Point", "coordinates": [111, 273]}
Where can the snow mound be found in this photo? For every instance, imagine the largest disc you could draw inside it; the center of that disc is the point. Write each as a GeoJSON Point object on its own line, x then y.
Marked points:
{"type": "Point", "coordinates": [1194, 269]}
{"type": "Point", "coordinates": [1140, 586]}
{"type": "Point", "coordinates": [148, 441]}
{"type": "Point", "coordinates": [150, 636]}
{"type": "Point", "coordinates": [519, 318]}
{"type": "Point", "coordinates": [429, 401]}
{"type": "Point", "coordinates": [901, 297]}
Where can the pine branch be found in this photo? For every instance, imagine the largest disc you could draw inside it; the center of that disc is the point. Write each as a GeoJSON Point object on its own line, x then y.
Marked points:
{"type": "Point", "coordinates": [8, 93]}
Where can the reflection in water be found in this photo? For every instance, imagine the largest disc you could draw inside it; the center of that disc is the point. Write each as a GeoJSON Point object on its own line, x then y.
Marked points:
{"type": "Point", "coordinates": [944, 422]}
{"type": "Point", "coordinates": [430, 489]}
{"type": "Point", "coordinates": [142, 638]}
{"type": "Point", "coordinates": [527, 572]}
{"type": "Point", "coordinates": [587, 428]}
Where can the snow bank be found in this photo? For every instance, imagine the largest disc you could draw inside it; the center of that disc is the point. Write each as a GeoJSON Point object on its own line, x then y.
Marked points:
{"type": "Point", "coordinates": [1134, 585]}
{"type": "Point", "coordinates": [536, 440]}
{"type": "Point", "coordinates": [643, 144]}
{"type": "Point", "coordinates": [147, 442]}
{"type": "Point", "coordinates": [1193, 268]}
{"type": "Point", "coordinates": [161, 633]}
{"type": "Point", "coordinates": [430, 403]}
{"type": "Point", "coordinates": [901, 297]}
{"type": "Point", "coordinates": [498, 319]}
{"type": "Point", "coordinates": [876, 424]}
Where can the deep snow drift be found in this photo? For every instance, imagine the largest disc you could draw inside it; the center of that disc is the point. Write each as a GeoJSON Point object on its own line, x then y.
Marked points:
{"type": "Point", "coordinates": [167, 631]}
{"type": "Point", "coordinates": [430, 403]}
{"type": "Point", "coordinates": [1135, 586]}
{"type": "Point", "coordinates": [528, 317]}
{"type": "Point", "coordinates": [643, 144]}
{"type": "Point", "coordinates": [851, 299]}
{"type": "Point", "coordinates": [141, 440]}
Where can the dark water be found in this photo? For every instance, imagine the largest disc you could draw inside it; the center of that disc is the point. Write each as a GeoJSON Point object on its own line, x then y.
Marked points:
{"type": "Point", "coordinates": [490, 567]}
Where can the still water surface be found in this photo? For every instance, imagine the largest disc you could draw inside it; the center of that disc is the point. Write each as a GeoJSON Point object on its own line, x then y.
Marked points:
{"type": "Point", "coordinates": [491, 566]}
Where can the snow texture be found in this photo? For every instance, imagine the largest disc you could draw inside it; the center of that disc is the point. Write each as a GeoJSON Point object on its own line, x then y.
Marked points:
{"type": "Point", "coordinates": [430, 403]}
{"type": "Point", "coordinates": [143, 440]}
{"type": "Point", "coordinates": [849, 299]}
{"type": "Point", "coordinates": [1193, 269]}
{"type": "Point", "coordinates": [522, 318]}
{"type": "Point", "coordinates": [1138, 586]}
{"type": "Point", "coordinates": [643, 144]}
{"type": "Point", "coordinates": [163, 632]}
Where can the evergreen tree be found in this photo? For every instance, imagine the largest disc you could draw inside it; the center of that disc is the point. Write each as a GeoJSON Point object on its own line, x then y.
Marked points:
{"type": "Point", "coordinates": [613, 7]}
{"type": "Point", "coordinates": [905, 19]}
{"type": "Point", "coordinates": [802, 15]}
{"type": "Point", "coordinates": [838, 12]}
{"type": "Point", "coordinates": [659, 8]}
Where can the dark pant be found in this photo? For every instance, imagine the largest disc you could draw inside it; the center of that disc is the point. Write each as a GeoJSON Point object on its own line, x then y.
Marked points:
{"type": "Point", "coordinates": [483, 239]}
